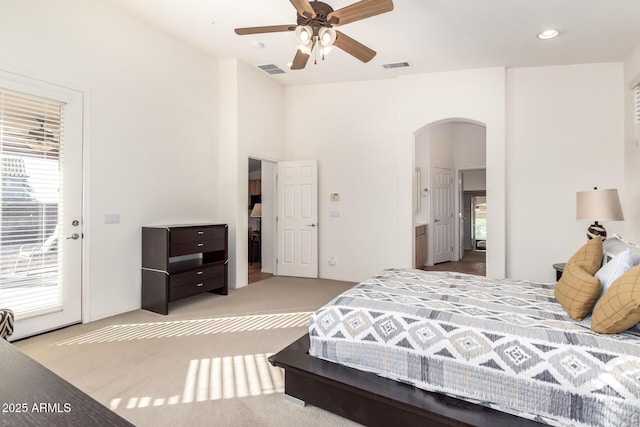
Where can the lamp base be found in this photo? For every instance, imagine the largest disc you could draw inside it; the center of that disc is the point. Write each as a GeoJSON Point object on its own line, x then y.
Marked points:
{"type": "Point", "coordinates": [596, 229]}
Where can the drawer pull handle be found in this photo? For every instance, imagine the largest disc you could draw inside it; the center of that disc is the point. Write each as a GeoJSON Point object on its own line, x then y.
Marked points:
{"type": "Point", "coordinates": [200, 245]}
{"type": "Point", "coordinates": [200, 284]}
{"type": "Point", "coordinates": [200, 273]}
{"type": "Point", "coordinates": [200, 233]}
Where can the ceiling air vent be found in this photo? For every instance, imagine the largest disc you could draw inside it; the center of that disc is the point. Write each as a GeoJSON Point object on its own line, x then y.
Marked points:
{"type": "Point", "coordinates": [271, 69]}
{"type": "Point", "coordinates": [397, 65]}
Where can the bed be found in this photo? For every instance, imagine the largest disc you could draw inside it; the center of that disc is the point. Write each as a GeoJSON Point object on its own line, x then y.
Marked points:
{"type": "Point", "coordinates": [409, 347]}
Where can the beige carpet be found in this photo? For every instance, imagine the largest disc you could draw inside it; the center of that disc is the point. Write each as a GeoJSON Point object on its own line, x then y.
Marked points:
{"type": "Point", "coordinates": [204, 364]}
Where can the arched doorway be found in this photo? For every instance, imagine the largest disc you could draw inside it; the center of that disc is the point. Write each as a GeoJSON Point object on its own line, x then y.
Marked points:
{"type": "Point", "coordinates": [443, 151]}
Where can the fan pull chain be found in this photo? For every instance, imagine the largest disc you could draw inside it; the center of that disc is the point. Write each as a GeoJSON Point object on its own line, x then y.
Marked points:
{"type": "Point", "coordinates": [315, 54]}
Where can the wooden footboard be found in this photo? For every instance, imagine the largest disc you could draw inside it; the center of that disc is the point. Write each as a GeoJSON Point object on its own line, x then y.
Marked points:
{"type": "Point", "coordinates": [375, 401]}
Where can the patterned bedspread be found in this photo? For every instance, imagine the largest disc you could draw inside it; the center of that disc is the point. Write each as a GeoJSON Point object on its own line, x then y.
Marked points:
{"type": "Point", "coordinates": [502, 343]}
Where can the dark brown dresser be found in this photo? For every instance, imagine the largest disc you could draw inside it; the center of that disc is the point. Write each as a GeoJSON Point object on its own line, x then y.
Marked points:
{"type": "Point", "coordinates": [182, 260]}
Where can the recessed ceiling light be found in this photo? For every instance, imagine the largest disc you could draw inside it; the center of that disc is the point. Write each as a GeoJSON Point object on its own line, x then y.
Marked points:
{"type": "Point", "coordinates": [548, 34]}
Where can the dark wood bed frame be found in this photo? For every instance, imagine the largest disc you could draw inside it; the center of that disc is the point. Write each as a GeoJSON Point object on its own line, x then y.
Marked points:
{"type": "Point", "coordinates": [375, 401]}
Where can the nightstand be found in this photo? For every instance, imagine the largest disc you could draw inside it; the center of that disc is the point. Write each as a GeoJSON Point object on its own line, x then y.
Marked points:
{"type": "Point", "coordinates": [559, 269]}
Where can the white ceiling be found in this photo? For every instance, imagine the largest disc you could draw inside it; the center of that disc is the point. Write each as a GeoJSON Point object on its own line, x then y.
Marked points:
{"type": "Point", "coordinates": [432, 35]}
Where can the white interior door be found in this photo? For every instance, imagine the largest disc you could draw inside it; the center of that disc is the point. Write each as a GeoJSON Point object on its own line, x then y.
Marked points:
{"type": "Point", "coordinates": [41, 224]}
{"type": "Point", "coordinates": [297, 220]}
{"type": "Point", "coordinates": [442, 214]}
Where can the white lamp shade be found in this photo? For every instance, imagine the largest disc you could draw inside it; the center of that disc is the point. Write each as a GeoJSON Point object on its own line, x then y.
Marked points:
{"type": "Point", "coordinates": [327, 36]}
{"type": "Point", "coordinates": [598, 205]}
{"type": "Point", "coordinates": [304, 37]}
{"type": "Point", "coordinates": [257, 211]}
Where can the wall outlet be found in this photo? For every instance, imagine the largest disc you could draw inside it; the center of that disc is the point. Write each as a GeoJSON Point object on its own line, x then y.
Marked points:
{"type": "Point", "coordinates": [332, 261]}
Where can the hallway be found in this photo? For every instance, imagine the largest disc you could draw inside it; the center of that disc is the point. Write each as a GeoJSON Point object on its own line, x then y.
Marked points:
{"type": "Point", "coordinates": [473, 262]}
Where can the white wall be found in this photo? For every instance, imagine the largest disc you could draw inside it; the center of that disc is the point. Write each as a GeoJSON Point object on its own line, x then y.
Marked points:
{"type": "Point", "coordinates": [150, 120]}
{"type": "Point", "coordinates": [476, 95]}
{"type": "Point", "coordinates": [565, 134]}
{"type": "Point", "coordinates": [631, 195]}
{"type": "Point", "coordinates": [356, 143]}
{"type": "Point", "coordinates": [267, 236]}
{"type": "Point", "coordinates": [474, 180]}
{"type": "Point", "coordinates": [561, 139]}
{"type": "Point", "coordinates": [422, 162]}
{"type": "Point", "coordinates": [366, 152]}
{"type": "Point", "coordinates": [251, 125]}
{"type": "Point", "coordinates": [470, 145]}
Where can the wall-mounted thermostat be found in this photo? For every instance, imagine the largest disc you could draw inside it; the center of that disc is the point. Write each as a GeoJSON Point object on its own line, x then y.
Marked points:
{"type": "Point", "coordinates": [335, 197]}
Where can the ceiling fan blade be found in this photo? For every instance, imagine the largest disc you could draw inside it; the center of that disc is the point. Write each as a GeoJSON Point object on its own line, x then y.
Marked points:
{"type": "Point", "coordinates": [360, 10]}
{"type": "Point", "coordinates": [301, 58]}
{"type": "Point", "coordinates": [304, 8]}
{"type": "Point", "coordinates": [299, 61]}
{"type": "Point", "coordinates": [267, 29]}
{"type": "Point", "coordinates": [353, 47]}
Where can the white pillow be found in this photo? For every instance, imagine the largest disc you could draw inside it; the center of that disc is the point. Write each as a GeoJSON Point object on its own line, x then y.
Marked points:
{"type": "Point", "coordinates": [615, 244]}
{"type": "Point", "coordinates": [616, 267]}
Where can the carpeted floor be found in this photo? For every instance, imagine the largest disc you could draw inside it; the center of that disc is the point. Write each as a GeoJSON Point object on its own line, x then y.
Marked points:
{"type": "Point", "coordinates": [473, 262]}
{"type": "Point", "coordinates": [203, 364]}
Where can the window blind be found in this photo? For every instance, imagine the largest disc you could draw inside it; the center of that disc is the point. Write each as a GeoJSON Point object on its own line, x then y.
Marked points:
{"type": "Point", "coordinates": [31, 131]}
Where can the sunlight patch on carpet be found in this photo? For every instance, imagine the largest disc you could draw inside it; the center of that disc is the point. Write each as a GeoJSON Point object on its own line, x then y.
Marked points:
{"type": "Point", "coordinates": [140, 331]}
{"type": "Point", "coordinates": [218, 378]}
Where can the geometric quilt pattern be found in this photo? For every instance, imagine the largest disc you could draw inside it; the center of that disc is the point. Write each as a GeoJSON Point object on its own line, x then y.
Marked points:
{"type": "Point", "coordinates": [504, 343]}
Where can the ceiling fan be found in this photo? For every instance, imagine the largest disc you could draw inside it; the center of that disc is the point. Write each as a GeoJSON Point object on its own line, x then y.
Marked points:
{"type": "Point", "coordinates": [42, 138]}
{"type": "Point", "coordinates": [315, 24]}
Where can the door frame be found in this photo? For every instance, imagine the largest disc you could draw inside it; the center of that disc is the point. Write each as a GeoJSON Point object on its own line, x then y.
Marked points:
{"type": "Point", "coordinates": [269, 171]}
{"type": "Point", "coordinates": [459, 199]}
{"type": "Point", "coordinates": [78, 108]}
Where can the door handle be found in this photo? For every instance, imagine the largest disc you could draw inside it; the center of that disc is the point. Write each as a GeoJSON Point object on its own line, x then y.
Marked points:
{"type": "Point", "coordinates": [436, 220]}
{"type": "Point", "coordinates": [311, 225]}
{"type": "Point", "coordinates": [74, 236]}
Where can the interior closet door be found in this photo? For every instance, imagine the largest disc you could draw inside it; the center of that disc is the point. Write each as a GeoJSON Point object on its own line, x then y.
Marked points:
{"type": "Point", "coordinates": [442, 214]}
{"type": "Point", "coordinates": [297, 220]}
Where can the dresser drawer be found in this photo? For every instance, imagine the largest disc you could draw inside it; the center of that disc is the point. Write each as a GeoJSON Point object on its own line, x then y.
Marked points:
{"type": "Point", "coordinates": [195, 288]}
{"type": "Point", "coordinates": [197, 234]}
{"type": "Point", "coordinates": [204, 273]}
{"type": "Point", "coordinates": [196, 246]}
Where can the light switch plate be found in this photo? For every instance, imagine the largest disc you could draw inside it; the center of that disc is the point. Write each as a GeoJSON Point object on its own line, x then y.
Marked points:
{"type": "Point", "coordinates": [112, 218]}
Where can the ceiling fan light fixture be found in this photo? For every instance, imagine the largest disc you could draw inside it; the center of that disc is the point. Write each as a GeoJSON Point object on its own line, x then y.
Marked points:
{"type": "Point", "coordinates": [304, 37]}
{"type": "Point", "coordinates": [327, 36]}
{"type": "Point", "coordinates": [304, 34]}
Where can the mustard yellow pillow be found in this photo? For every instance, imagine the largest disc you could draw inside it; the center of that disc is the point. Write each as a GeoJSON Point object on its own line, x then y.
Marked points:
{"type": "Point", "coordinates": [589, 256]}
{"type": "Point", "coordinates": [577, 291]}
{"type": "Point", "coordinates": [619, 307]}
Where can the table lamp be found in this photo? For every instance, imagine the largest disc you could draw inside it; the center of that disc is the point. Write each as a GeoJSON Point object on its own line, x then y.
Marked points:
{"type": "Point", "coordinates": [598, 205]}
{"type": "Point", "coordinates": [256, 212]}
